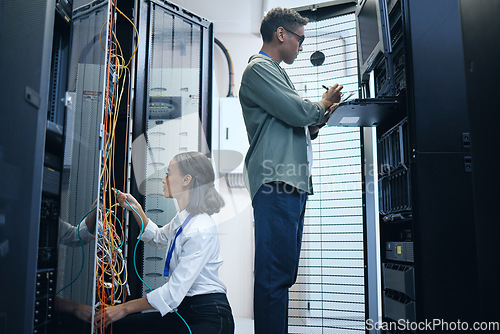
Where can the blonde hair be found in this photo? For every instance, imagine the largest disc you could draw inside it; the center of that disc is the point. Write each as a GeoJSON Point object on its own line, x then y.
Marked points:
{"type": "Point", "coordinates": [203, 197]}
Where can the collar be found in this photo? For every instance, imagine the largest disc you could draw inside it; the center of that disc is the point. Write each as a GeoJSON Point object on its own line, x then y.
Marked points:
{"type": "Point", "coordinates": [179, 218]}
{"type": "Point", "coordinates": [266, 58]}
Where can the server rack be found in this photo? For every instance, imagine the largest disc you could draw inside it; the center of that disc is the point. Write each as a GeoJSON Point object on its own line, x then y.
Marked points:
{"type": "Point", "coordinates": [26, 278]}
{"type": "Point", "coordinates": [479, 29]}
{"type": "Point", "coordinates": [428, 244]}
{"type": "Point", "coordinates": [429, 237]}
{"type": "Point", "coordinates": [49, 149]}
{"type": "Point", "coordinates": [46, 161]}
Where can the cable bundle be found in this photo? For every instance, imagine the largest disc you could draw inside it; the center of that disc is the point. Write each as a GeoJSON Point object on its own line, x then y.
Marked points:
{"type": "Point", "coordinates": [111, 272]}
{"type": "Point", "coordinates": [111, 268]}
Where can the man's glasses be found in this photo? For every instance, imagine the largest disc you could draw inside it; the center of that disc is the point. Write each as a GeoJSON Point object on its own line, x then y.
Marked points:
{"type": "Point", "coordinates": [301, 38]}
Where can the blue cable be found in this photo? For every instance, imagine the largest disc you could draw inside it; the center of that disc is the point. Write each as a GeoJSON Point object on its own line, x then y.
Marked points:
{"type": "Point", "coordinates": [189, 329]}
{"type": "Point", "coordinates": [137, 243]}
{"type": "Point", "coordinates": [135, 266]}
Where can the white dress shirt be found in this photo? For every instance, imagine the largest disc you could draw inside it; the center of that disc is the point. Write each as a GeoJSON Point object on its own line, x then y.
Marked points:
{"type": "Point", "coordinates": [195, 260]}
{"type": "Point", "coordinates": [68, 234]}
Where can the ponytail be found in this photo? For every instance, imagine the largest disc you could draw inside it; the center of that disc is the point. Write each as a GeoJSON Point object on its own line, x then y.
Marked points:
{"type": "Point", "coordinates": [203, 197]}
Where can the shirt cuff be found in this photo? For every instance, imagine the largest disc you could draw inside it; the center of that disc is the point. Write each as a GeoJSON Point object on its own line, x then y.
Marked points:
{"type": "Point", "coordinates": [156, 300]}
{"type": "Point", "coordinates": [322, 112]}
{"type": "Point", "coordinates": [149, 232]}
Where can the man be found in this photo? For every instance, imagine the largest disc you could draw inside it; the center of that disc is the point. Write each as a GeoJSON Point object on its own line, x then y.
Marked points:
{"type": "Point", "coordinates": [279, 124]}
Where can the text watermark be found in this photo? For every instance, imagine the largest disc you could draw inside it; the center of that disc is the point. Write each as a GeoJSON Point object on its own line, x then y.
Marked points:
{"type": "Point", "coordinates": [438, 325]}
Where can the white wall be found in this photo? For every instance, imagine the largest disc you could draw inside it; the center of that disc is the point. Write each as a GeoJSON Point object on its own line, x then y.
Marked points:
{"type": "Point", "coordinates": [235, 223]}
{"type": "Point", "coordinates": [240, 47]}
{"type": "Point", "coordinates": [236, 219]}
{"type": "Point", "coordinates": [239, 17]}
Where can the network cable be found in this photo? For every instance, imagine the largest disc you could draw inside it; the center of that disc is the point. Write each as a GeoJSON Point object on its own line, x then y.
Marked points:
{"type": "Point", "coordinates": [116, 74]}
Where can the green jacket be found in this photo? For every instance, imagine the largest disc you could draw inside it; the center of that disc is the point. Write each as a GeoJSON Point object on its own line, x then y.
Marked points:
{"type": "Point", "coordinates": [275, 116]}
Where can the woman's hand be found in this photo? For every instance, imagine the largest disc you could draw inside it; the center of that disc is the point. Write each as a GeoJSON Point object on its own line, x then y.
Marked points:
{"type": "Point", "coordinates": [84, 312]}
{"type": "Point", "coordinates": [127, 201]}
{"type": "Point", "coordinates": [114, 313]}
{"type": "Point", "coordinates": [123, 198]}
{"type": "Point", "coordinates": [110, 314]}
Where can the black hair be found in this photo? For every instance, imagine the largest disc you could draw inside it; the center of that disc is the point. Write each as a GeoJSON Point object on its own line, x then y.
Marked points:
{"type": "Point", "coordinates": [203, 198]}
{"type": "Point", "coordinates": [280, 17]}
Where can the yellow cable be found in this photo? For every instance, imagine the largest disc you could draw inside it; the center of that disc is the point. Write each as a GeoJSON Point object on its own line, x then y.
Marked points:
{"type": "Point", "coordinates": [111, 262]}
{"type": "Point", "coordinates": [136, 32]}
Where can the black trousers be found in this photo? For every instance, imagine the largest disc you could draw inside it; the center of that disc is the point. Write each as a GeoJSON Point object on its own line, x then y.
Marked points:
{"type": "Point", "coordinates": [204, 314]}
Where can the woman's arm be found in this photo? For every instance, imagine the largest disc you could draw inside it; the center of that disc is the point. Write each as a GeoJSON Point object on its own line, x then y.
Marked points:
{"type": "Point", "coordinates": [91, 218]}
{"type": "Point", "coordinates": [115, 313]}
{"type": "Point", "coordinates": [82, 311]}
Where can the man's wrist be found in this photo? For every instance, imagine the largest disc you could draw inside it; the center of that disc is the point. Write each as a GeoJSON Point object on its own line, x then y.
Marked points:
{"type": "Point", "coordinates": [326, 104]}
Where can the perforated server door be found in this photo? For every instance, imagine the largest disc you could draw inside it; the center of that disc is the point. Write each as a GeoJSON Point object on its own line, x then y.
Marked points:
{"type": "Point", "coordinates": [176, 58]}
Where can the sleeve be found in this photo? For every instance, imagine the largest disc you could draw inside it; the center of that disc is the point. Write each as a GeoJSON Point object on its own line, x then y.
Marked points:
{"type": "Point", "coordinates": [85, 235]}
{"type": "Point", "coordinates": [156, 236]}
{"type": "Point", "coordinates": [196, 251]}
{"type": "Point", "coordinates": [68, 234]}
{"type": "Point", "coordinates": [266, 87]}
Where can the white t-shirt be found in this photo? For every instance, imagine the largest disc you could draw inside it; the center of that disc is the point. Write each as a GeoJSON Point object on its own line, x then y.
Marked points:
{"type": "Point", "coordinates": [309, 149]}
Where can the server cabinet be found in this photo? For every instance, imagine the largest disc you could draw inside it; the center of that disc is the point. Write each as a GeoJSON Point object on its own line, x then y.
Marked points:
{"type": "Point", "coordinates": [25, 54]}
{"type": "Point", "coordinates": [425, 182]}
{"type": "Point", "coordinates": [481, 54]}
{"type": "Point", "coordinates": [172, 115]}
{"type": "Point", "coordinates": [429, 231]}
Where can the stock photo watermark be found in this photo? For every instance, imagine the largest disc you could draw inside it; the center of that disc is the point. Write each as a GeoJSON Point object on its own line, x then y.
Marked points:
{"type": "Point", "coordinates": [433, 325]}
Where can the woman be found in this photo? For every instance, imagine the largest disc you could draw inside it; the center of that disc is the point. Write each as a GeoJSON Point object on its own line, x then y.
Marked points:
{"type": "Point", "coordinates": [193, 287]}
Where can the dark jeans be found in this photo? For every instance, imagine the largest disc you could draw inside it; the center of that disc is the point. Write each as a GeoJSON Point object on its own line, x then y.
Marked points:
{"type": "Point", "coordinates": [205, 314]}
{"type": "Point", "coordinates": [279, 219]}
